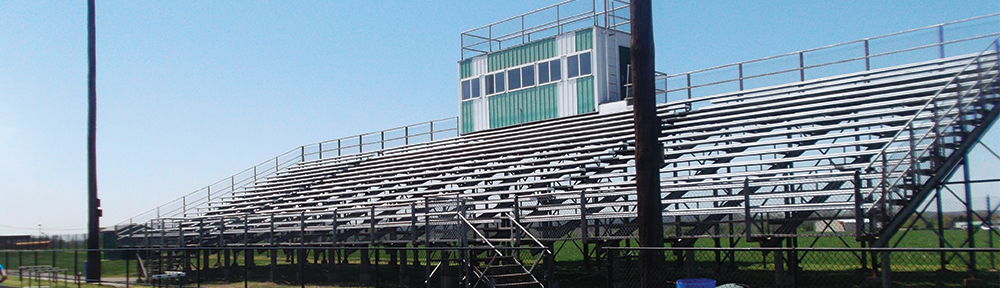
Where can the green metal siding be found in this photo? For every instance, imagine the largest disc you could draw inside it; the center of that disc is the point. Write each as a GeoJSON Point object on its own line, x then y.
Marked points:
{"type": "Point", "coordinates": [465, 68]}
{"type": "Point", "coordinates": [522, 106]}
{"type": "Point", "coordinates": [528, 53]}
{"type": "Point", "coordinates": [584, 39]}
{"type": "Point", "coordinates": [468, 117]}
{"type": "Point", "coordinates": [585, 94]}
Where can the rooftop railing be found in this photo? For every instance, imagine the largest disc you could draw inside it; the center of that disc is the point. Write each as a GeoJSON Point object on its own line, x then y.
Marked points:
{"type": "Point", "coordinates": [545, 22]}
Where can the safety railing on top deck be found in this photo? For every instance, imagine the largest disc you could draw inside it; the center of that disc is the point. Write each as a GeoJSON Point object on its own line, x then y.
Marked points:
{"type": "Point", "coordinates": [916, 145]}
{"type": "Point", "coordinates": [960, 37]}
{"type": "Point", "coordinates": [545, 22]}
{"type": "Point", "coordinates": [194, 203]}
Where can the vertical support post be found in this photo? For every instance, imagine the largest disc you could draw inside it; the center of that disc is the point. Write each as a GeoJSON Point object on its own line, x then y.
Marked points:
{"type": "Point", "coordinates": [583, 232]}
{"type": "Point", "coordinates": [648, 150]}
{"type": "Point", "coordinates": [868, 63]}
{"type": "Point", "coordinates": [302, 153]}
{"type": "Point", "coordinates": [688, 87]}
{"type": "Point", "coordinates": [320, 150]}
{"type": "Point", "coordinates": [247, 253]}
{"type": "Point", "coordinates": [335, 223]}
{"type": "Point", "coordinates": [941, 41]}
{"type": "Point", "coordinates": [382, 141]}
{"type": "Point", "coordinates": [740, 68]}
{"type": "Point", "coordinates": [427, 235]}
{"type": "Point", "coordinates": [371, 227]}
{"type": "Point", "coordinates": [802, 66]}
{"type": "Point", "coordinates": [222, 245]}
{"type": "Point", "coordinates": [989, 223]}
{"type": "Point", "coordinates": [432, 129]}
{"type": "Point", "coordinates": [886, 271]}
{"type": "Point", "coordinates": [201, 252]}
{"type": "Point", "coordinates": [858, 213]}
{"type": "Point", "coordinates": [273, 253]}
{"type": "Point", "coordinates": [940, 230]}
{"type": "Point", "coordinates": [93, 203]}
{"type": "Point", "coordinates": [971, 229]}
{"type": "Point", "coordinates": [746, 207]}
{"type": "Point", "coordinates": [302, 249]}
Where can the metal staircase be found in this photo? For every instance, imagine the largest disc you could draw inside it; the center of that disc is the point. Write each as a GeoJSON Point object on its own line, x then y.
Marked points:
{"type": "Point", "coordinates": [495, 264]}
{"type": "Point", "coordinates": [934, 142]}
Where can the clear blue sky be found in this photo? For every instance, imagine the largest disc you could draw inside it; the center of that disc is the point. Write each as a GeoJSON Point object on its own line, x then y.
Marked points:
{"type": "Point", "coordinates": [190, 92]}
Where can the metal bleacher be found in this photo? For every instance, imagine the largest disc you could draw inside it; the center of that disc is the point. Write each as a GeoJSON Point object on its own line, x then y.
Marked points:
{"type": "Point", "coordinates": [759, 162]}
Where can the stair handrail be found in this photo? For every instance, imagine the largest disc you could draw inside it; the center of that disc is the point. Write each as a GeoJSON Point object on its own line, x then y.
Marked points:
{"type": "Point", "coordinates": [884, 182]}
{"type": "Point", "coordinates": [514, 220]}
{"type": "Point", "coordinates": [487, 240]}
{"type": "Point", "coordinates": [142, 267]}
{"type": "Point", "coordinates": [930, 101]}
{"type": "Point", "coordinates": [927, 105]}
{"type": "Point", "coordinates": [433, 271]}
{"type": "Point", "coordinates": [479, 274]}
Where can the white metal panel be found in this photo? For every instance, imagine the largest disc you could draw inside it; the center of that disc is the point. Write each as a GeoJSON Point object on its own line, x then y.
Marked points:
{"type": "Point", "coordinates": [482, 112]}
{"type": "Point", "coordinates": [567, 98]}
{"type": "Point", "coordinates": [600, 63]}
{"type": "Point", "coordinates": [479, 65]}
{"type": "Point", "coordinates": [565, 44]}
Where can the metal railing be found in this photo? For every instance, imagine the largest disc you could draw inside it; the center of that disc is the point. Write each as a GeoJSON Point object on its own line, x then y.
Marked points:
{"type": "Point", "coordinates": [915, 146]}
{"type": "Point", "coordinates": [197, 202]}
{"type": "Point", "coordinates": [810, 266]}
{"type": "Point", "coordinates": [932, 42]}
{"type": "Point", "coordinates": [545, 22]}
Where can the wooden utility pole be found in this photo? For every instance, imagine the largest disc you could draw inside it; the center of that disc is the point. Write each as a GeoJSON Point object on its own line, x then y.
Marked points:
{"type": "Point", "coordinates": [648, 151]}
{"type": "Point", "coordinates": [93, 203]}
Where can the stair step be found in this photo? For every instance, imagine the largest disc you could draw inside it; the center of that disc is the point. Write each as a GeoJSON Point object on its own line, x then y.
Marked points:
{"type": "Point", "coordinates": [518, 284]}
{"type": "Point", "coordinates": [509, 275]}
{"type": "Point", "coordinates": [505, 265]}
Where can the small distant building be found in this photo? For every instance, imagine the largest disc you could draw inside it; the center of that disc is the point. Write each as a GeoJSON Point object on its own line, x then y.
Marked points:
{"type": "Point", "coordinates": [836, 225]}
{"type": "Point", "coordinates": [963, 225]}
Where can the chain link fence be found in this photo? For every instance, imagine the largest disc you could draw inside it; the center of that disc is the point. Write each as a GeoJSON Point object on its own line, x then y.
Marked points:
{"type": "Point", "coordinates": [609, 266]}
{"type": "Point", "coordinates": [813, 267]}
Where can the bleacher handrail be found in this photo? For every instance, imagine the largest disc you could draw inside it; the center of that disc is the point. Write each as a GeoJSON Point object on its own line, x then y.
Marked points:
{"type": "Point", "coordinates": [910, 163]}
{"type": "Point", "coordinates": [932, 100]}
{"type": "Point", "coordinates": [203, 197]}
{"type": "Point", "coordinates": [662, 79]}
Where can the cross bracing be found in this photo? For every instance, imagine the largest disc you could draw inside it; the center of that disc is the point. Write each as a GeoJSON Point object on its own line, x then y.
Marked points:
{"type": "Point", "coordinates": [866, 145]}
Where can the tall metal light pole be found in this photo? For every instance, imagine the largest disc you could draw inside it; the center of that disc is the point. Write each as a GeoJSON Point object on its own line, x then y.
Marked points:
{"type": "Point", "coordinates": [93, 204]}
{"type": "Point", "coordinates": [648, 151]}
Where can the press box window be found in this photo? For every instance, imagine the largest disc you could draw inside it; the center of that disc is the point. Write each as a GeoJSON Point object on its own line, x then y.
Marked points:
{"type": "Point", "coordinates": [528, 76]}
{"type": "Point", "coordinates": [470, 88]}
{"type": "Point", "coordinates": [514, 79]}
{"type": "Point", "coordinates": [494, 83]}
{"type": "Point", "coordinates": [578, 65]}
{"type": "Point", "coordinates": [499, 82]}
{"type": "Point", "coordinates": [489, 85]}
{"type": "Point", "coordinates": [548, 71]}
